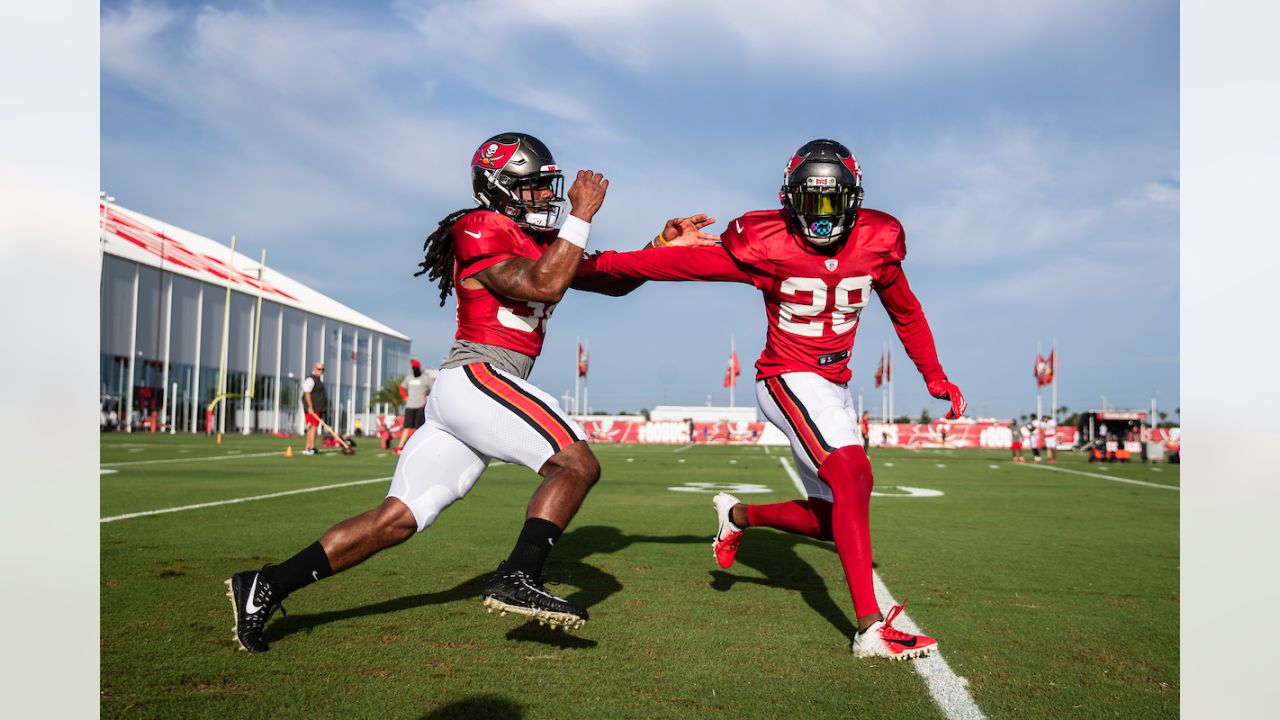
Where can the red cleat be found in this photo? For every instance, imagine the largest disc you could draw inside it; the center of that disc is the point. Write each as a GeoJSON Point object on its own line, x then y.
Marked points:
{"type": "Point", "coordinates": [885, 641]}
{"type": "Point", "coordinates": [728, 535]}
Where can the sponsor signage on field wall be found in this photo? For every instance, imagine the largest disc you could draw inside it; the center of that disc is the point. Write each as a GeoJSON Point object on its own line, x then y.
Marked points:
{"type": "Point", "coordinates": [985, 435]}
{"type": "Point", "coordinates": [935, 434]}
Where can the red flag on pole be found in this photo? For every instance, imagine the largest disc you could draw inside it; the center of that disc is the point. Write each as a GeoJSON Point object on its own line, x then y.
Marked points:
{"type": "Point", "coordinates": [582, 361]}
{"type": "Point", "coordinates": [880, 371]}
{"type": "Point", "coordinates": [888, 366]}
{"type": "Point", "coordinates": [1044, 369]}
{"type": "Point", "coordinates": [732, 372]}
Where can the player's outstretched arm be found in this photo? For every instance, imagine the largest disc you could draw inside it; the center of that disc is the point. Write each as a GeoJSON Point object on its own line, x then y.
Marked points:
{"type": "Point", "coordinates": [677, 232]}
{"type": "Point", "coordinates": [917, 338]}
{"type": "Point", "coordinates": [546, 279]}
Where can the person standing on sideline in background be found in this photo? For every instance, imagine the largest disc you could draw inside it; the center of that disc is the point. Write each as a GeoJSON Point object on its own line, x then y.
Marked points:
{"type": "Point", "coordinates": [414, 389]}
{"type": "Point", "coordinates": [1037, 437]}
{"type": "Point", "coordinates": [864, 426]}
{"type": "Point", "coordinates": [316, 404]}
{"type": "Point", "coordinates": [1049, 428]}
{"type": "Point", "coordinates": [1015, 441]}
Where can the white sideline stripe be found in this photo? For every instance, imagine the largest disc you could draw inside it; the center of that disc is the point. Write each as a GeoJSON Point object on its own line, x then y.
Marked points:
{"type": "Point", "coordinates": [949, 690]}
{"type": "Point", "coordinates": [1106, 477]}
{"type": "Point", "coordinates": [682, 449]}
{"type": "Point", "coordinates": [795, 478]}
{"type": "Point", "coordinates": [195, 459]}
{"type": "Point", "coordinates": [240, 500]}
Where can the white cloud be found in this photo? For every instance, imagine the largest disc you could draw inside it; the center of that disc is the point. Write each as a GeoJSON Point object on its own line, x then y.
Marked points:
{"type": "Point", "coordinates": [820, 37]}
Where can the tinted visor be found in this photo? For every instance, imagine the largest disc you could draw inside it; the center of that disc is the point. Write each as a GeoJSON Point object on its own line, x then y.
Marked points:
{"type": "Point", "coordinates": [822, 202]}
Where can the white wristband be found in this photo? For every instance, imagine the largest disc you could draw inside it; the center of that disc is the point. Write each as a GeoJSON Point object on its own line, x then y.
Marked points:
{"type": "Point", "coordinates": [576, 230]}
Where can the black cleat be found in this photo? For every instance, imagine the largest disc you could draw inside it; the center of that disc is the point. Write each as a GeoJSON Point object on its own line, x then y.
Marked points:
{"type": "Point", "coordinates": [254, 602]}
{"type": "Point", "coordinates": [516, 591]}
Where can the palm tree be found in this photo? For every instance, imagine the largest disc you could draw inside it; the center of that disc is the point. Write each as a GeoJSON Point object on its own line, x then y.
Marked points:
{"type": "Point", "coordinates": [389, 393]}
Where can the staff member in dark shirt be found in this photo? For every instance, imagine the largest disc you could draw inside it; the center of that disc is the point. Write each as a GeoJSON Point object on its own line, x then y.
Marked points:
{"type": "Point", "coordinates": [316, 403]}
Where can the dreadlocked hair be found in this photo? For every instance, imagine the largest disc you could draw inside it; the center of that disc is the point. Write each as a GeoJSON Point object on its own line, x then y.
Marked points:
{"type": "Point", "coordinates": [437, 261]}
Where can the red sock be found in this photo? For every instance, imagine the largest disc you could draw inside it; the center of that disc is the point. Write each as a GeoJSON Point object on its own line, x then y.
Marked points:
{"type": "Point", "coordinates": [848, 472]}
{"type": "Point", "coordinates": [802, 517]}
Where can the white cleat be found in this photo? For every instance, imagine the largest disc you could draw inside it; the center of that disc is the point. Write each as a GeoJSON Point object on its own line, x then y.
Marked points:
{"type": "Point", "coordinates": [885, 641]}
{"type": "Point", "coordinates": [728, 536]}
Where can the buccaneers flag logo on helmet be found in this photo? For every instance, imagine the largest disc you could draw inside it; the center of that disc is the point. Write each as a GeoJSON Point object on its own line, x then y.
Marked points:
{"type": "Point", "coordinates": [494, 155]}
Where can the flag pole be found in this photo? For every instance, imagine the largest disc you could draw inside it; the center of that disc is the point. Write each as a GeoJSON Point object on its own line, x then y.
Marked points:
{"type": "Point", "coordinates": [222, 356]}
{"type": "Point", "coordinates": [1053, 351]}
{"type": "Point", "coordinates": [253, 360]}
{"type": "Point", "coordinates": [1039, 410]}
{"type": "Point", "coordinates": [732, 379]}
{"type": "Point", "coordinates": [888, 368]}
{"type": "Point", "coordinates": [586, 379]}
{"type": "Point", "coordinates": [577, 375]}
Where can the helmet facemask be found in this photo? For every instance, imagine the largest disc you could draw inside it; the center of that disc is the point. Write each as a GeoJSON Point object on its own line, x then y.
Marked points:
{"type": "Point", "coordinates": [538, 202]}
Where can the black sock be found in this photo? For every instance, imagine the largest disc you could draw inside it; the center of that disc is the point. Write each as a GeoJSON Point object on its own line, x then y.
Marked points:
{"type": "Point", "coordinates": [299, 571]}
{"type": "Point", "coordinates": [536, 540]}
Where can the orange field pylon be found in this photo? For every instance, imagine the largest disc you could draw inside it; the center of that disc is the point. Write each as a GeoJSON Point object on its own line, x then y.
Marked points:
{"type": "Point", "coordinates": [219, 438]}
{"type": "Point", "coordinates": [288, 451]}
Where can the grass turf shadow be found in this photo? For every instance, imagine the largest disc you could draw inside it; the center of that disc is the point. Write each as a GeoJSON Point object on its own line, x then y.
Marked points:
{"type": "Point", "coordinates": [568, 564]}
{"type": "Point", "coordinates": [773, 555]}
{"type": "Point", "coordinates": [491, 707]}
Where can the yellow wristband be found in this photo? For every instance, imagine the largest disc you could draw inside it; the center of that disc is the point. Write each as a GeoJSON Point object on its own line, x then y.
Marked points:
{"type": "Point", "coordinates": [659, 241]}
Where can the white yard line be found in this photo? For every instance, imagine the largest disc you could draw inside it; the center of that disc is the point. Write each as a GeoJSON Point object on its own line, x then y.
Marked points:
{"type": "Point", "coordinates": [949, 691]}
{"type": "Point", "coordinates": [682, 448]}
{"type": "Point", "coordinates": [240, 500]}
{"type": "Point", "coordinates": [1103, 477]}
{"type": "Point", "coordinates": [795, 477]}
{"type": "Point", "coordinates": [194, 459]}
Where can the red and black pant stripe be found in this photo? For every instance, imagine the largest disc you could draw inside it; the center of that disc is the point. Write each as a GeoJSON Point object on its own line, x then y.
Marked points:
{"type": "Point", "coordinates": [802, 424]}
{"type": "Point", "coordinates": [526, 406]}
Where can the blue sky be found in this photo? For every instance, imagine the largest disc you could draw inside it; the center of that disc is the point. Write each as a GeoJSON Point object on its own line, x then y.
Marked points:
{"type": "Point", "coordinates": [1030, 150]}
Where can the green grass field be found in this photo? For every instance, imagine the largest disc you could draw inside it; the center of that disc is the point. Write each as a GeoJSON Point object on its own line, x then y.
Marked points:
{"type": "Point", "coordinates": [1055, 594]}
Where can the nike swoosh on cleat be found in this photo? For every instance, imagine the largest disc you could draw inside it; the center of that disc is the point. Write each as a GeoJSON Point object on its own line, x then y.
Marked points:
{"type": "Point", "coordinates": [249, 607]}
{"type": "Point", "coordinates": [472, 234]}
{"type": "Point", "coordinates": [904, 643]}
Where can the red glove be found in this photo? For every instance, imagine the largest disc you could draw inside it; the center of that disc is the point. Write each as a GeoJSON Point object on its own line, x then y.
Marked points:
{"type": "Point", "coordinates": [943, 389]}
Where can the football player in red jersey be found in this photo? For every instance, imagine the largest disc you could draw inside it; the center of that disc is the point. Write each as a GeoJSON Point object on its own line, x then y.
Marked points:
{"type": "Point", "coordinates": [510, 261]}
{"type": "Point", "coordinates": [816, 260]}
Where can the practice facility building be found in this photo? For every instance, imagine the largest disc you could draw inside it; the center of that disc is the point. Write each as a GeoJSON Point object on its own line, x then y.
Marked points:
{"type": "Point", "coordinates": [163, 313]}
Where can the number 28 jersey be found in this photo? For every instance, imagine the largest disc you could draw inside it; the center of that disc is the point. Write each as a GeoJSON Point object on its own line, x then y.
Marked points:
{"type": "Point", "coordinates": [482, 239]}
{"type": "Point", "coordinates": [813, 300]}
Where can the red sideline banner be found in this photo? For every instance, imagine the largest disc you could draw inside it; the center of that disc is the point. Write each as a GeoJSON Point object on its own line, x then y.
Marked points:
{"type": "Point", "coordinates": [674, 432]}
{"type": "Point", "coordinates": [936, 434]}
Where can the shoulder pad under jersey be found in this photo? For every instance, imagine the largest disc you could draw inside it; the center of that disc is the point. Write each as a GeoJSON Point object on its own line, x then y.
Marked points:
{"type": "Point", "coordinates": [756, 236]}
{"type": "Point", "coordinates": [881, 233]}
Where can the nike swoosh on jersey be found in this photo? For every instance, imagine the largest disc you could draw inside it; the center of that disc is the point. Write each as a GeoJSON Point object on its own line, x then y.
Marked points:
{"type": "Point", "coordinates": [475, 235]}
{"type": "Point", "coordinates": [737, 225]}
{"type": "Point", "coordinates": [249, 607]}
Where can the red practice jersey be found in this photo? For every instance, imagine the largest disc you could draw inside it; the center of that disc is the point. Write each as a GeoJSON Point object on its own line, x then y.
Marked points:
{"type": "Point", "coordinates": [482, 239]}
{"type": "Point", "coordinates": [812, 300]}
